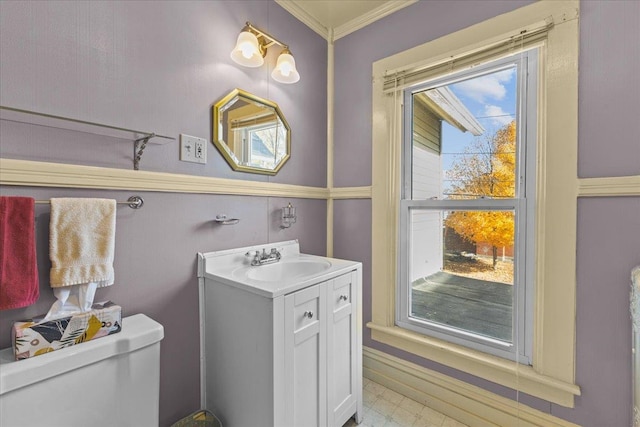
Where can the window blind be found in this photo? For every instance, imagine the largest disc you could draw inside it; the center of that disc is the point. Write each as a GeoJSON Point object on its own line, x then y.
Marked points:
{"type": "Point", "coordinates": [519, 41]}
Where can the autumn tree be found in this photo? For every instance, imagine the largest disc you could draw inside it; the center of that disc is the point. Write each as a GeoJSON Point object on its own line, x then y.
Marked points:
{"type": "Point", "coordinates": [486, 170]}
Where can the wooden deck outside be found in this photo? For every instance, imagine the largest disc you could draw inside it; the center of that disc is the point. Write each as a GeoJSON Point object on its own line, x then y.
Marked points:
{"type": "Point", "coordinates": [478, 306]}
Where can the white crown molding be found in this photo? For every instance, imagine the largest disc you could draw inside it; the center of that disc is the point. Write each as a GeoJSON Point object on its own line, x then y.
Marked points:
{"type": "Point", "coordinates": [347, 28]}
{"type": "Point", "coordinates": [370, 17]}
{"type": "Point", "coordinates": [609, 186]}
{"type": "Point", "coordinates": [304, 17]}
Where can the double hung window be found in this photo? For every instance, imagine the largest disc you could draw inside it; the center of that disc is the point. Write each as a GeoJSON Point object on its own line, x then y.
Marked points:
{"type": "Point", "coordinates": [466, 209]}
{"type": "Point", "coordinates": [535, 352]}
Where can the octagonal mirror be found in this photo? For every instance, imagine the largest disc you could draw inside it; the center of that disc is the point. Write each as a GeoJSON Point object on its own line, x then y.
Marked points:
{"type": "Point", "coordinates": [251, 133]}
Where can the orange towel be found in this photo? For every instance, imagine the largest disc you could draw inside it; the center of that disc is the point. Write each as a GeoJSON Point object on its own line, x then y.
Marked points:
{"type": "Point", "coordinates": [18, 263]}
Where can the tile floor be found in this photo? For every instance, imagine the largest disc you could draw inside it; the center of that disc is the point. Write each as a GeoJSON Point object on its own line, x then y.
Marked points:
{"type": "Point", "coordinates": [386, 408]}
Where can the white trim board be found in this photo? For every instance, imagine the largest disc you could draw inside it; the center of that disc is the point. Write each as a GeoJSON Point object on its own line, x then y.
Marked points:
{"type": "Point", "coordinates": [457, 399]}
{"type": "Point", "coordinates": [43, 174]}
{"type": "Point", "coordinates": [609, 186]}
{"type": "Point", "coordinates": [350, 192]}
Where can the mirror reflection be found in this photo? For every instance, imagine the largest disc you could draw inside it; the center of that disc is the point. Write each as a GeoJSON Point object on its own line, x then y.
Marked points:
{"type": "Point", "coordinates": [251, 133]}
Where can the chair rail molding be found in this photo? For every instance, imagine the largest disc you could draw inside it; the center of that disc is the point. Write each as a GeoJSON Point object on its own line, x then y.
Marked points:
{"type": "Point", "coordinates": [43, 174]}
{"type": "Point", "coordinates": [609, 186]}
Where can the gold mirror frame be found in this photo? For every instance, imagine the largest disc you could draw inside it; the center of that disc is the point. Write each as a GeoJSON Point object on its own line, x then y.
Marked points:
{"type": "Point", "coordinates": [253, 117]}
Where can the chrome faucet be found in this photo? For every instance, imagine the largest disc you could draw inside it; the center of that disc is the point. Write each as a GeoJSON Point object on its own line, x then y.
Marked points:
{"type": "Point", "coordinates": [264, 257]}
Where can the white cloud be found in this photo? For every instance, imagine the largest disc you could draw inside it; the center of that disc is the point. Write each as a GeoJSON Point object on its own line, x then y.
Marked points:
{"type": "Point", "coordinates": [499, 117]}
{"type": "Point", "coordinates": [490, 86]}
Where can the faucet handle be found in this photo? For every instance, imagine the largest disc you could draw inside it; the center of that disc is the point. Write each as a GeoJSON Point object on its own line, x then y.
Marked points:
{"type": "Point", "coordinates": [275, 253]}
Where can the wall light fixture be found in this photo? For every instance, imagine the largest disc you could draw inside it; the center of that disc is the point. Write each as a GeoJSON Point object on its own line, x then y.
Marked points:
{"type": "Point", "coordinates": [251, 48]}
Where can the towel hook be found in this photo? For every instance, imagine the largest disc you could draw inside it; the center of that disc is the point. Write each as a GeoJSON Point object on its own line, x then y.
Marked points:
{"type": "Point", "coordinates": [223, 220]}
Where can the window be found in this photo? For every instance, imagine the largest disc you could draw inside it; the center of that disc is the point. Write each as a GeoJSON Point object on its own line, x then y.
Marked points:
{"type": "Point", "coordinates": [263, 145]}
{"type": "Point", "coordinates": [465, 248]}
{"type": "Point", "coordinates": [552, 29]}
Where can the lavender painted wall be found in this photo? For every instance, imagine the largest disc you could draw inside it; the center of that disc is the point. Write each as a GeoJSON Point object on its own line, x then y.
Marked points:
{"type": "Point", "coordinates": [608, 248]}
{"type": "Point", "coordinates": [161, 65]}
{"type": "Point", "coordinates": [609, 64]}
{"type": "Point", "coordinates": [608, 228]}
{"type": "Point", "coordinates": [158, 66]}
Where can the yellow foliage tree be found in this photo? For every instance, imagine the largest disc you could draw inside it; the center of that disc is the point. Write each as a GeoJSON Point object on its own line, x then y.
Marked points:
{"type": "Point", "coordinates": [487, 170]}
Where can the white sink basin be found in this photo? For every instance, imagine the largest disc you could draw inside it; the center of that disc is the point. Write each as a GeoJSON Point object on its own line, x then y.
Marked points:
{"type": "Point", "coordinates": [283, 270]}
{"type": "Point", "coordinates": [294, 271]}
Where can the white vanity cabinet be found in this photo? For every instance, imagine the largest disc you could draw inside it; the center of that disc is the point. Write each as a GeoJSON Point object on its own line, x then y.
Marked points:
{"type": "Point", "coordinates": [290, 356]}
{"type": "Point", "coordinates": [321, 348]}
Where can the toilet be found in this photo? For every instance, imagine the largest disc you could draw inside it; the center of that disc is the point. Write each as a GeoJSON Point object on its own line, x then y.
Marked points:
{"type": "Point", "coordinates": [110, 381]}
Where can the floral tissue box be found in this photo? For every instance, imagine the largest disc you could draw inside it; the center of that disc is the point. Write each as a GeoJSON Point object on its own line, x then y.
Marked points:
{"type": "Point", "coordinates": [33, 338]}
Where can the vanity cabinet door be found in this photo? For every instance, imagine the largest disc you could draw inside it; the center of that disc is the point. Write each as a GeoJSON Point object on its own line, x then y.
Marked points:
{"type": "Point", "coordinates": [306, 357]}
{"type": "Point", "coordinates": [342, 381]}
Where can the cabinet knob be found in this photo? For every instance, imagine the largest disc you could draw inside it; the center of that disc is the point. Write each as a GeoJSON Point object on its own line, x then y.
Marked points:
{"type": "Point", "coordinates": [343, 298]}
{"type": "Point", "coordinates": [308, 314]}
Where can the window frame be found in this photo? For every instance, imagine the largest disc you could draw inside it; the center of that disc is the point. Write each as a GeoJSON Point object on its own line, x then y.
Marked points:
{"type": "Point", "coordinates": [552, 374]}
{"type": "Point", "coordinates": [526, 64]}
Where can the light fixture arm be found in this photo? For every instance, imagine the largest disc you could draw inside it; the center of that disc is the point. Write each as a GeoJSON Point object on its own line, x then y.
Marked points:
{"type": "Point", "coordinates": [268, 41]}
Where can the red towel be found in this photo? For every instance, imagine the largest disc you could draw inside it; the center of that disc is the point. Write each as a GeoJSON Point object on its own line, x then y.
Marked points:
{"type": "Point", "coordinates": [18, 264]}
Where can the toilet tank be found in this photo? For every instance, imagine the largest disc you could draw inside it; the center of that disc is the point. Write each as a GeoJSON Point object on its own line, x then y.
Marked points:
{"type": "Point", "coordinates": [111, 381]}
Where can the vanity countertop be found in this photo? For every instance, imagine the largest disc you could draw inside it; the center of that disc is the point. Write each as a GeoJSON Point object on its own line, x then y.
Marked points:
{"type": "Point", "coordinates": [233, 268]}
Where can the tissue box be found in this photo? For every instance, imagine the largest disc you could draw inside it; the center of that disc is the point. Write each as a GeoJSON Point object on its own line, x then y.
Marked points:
{"type": "Point", "coordinates": [35, 337]}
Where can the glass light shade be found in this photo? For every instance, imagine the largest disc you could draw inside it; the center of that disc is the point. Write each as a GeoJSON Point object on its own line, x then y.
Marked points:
{"type": "Point", "coordinates": [247, 50]}
{"type": "Point", "coordinates": [285, 71]}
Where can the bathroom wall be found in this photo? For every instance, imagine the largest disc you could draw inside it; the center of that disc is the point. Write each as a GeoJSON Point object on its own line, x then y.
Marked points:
{"type": "Point", "coordinates": [608, 228]}
{"type": "Point", "coordinates": [158, 66]}
{"type": "Point", "coordinates": [161, 65]}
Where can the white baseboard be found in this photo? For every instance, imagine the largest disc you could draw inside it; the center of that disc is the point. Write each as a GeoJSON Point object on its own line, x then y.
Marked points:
{"type": "Point", "coordinates": [461, 401]}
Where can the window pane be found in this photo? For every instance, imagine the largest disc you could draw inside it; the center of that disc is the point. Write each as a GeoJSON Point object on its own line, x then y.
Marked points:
{"type": "Point", "coordinates": [268, 145]}
{"type": "Point", "coordinates": [464, 138]}
{"type": "Point", "coordinates": [462, 270]}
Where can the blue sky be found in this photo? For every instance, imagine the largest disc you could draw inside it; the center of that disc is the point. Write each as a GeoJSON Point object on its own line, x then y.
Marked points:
{"type": "Point", "coordinates": [491, 98]}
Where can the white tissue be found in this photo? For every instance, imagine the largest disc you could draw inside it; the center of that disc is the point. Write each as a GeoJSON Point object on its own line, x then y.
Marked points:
{"type": "Point", "coordinates": [72, 300]}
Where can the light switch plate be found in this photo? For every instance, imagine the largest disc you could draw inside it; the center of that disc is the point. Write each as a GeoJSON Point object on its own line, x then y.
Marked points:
{"type": "Point", "coordinates": [193, 149]}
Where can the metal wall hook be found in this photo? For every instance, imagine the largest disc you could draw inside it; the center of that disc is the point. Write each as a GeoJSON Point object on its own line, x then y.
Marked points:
{"type": "Point", "coordinates": [223, 220]}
